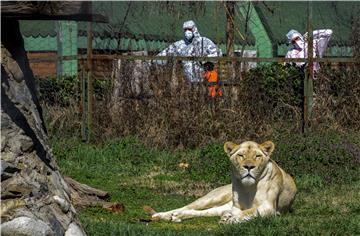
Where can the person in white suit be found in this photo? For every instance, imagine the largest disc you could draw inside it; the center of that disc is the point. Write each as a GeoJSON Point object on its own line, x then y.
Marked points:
{"type": "Point", "coordinates": [194, 45]}
{"type": "Point", "coordinates": [299, 42]}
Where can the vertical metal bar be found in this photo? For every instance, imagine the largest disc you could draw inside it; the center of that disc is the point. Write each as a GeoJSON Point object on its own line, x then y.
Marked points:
{"type": "Point", "coordinates": [309, 74]}
{"type": "Point", "coordinates": [83, 105]}
{"type": "Point", "coordinates": [90, 88]}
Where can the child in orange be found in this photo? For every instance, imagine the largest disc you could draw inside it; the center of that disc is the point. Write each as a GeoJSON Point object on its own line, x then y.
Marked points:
{"type": "Point", "coordinates": [211, 76]}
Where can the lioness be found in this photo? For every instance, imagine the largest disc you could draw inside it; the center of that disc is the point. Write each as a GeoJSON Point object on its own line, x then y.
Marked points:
{"type": "Point", "coordinates": [259, 188]}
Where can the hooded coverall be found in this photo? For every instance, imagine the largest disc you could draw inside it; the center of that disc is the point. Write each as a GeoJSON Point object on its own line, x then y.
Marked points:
{"type": "Point", "coordinates": [196, 46]}
{"type": "Point", "coordinates": [321, 39]}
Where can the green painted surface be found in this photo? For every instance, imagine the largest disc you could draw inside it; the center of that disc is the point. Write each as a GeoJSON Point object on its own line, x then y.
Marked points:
{"type": "Point", "coordinates": [138, 45]}
{"type": "Point", "coordinates": [160, 20]}
{"type": "Point", "coordinates": [47, 39]}
{"type": "Point", "coordinates": [40, 43]}
{"type": "Point", "coordinates": [163, 20]}
{"type": "Point", "coordinates": [263, 43]}
{"type": "Point", "coordinates": [269, 22]}
{"type": "Point", "coordinates": [38, 28]}
{"type": "Point", "coordinates": [68, 47]}
{"type": "Point", "coordinates": [124, 44]}
{"type": "Point", "coordinates": [281, 16]}
{"type": "Point", "coordinates": [340, 51]}
{"type": "Point", "coordinates": [334, 51]}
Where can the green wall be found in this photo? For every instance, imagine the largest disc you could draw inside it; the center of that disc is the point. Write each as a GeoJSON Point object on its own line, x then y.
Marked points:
{"type": "Point", "coordinates": [65, 43]}
{"type": "Point", "coordinates": [262, 41]}
{"type": "Point", "coordinates": [48, 43]}
{"type": "Point", "coordinates": [67, 46]}
{"type": "Point", "coordinates": [334, 51]}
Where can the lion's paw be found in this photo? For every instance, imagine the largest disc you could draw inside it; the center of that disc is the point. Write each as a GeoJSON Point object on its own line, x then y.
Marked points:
{"type": "Point", "coordinates": [162, 216]}
{"type": "Point", "coordinates": [229, 218]}
{"type": "Point", "coordinates": [176, 217]}
{"type": "Point", "coordinates": [225, 218]}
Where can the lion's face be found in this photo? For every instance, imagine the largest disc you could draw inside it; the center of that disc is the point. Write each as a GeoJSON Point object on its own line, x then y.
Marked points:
{"type": "Point", "coordinates": [249, 159]}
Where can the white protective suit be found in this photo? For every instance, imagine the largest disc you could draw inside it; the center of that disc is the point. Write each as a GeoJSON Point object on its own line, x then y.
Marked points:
{"type": "Point", "coordinates": [321, 39]}
{"type": "Point", "coordinates": [192, 45]}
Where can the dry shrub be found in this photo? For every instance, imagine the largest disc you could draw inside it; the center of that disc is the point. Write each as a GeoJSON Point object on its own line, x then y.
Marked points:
{"type": "Point", "coordinates": [337, 91]}
{"type": "Point", "coordinates": [62, 121]}
{"type": "Point", "coordinates": [157, 105]}
{"type": "Point", "coordinates": [171, 112]}
{"type": "Point", "coordinates": [337, 98]}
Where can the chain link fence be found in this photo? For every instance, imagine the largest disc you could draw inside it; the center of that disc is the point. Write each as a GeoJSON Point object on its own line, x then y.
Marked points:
{"type": "Point", "coordinates": [114, 89]}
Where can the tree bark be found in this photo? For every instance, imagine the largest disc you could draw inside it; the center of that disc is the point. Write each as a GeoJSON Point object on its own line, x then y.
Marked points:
{"type": "Point", "coordinates": [36, 200]}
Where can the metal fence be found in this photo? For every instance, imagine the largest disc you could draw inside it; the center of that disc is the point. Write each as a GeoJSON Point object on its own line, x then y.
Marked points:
{"type": "Point", "coordinates": [136, 86]}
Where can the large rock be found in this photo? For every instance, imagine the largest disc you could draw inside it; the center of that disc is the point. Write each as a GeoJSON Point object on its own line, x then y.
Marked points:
{"type": "Point", "coordinates": [35, 198]}
{"type": "Point", "coordinates": [25, 226]}
{"type": "Point", "coordinates": [74, 230]}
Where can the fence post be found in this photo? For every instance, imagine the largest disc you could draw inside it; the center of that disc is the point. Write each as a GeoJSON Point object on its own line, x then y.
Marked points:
{"type": "Point", "coordinates": [309, 74]}
{"type": "Point", "coordinates": [230, 36]}
{"type": "Point", "coordinates": [90, 87]}
{"type": "Point", "coordinates": [83, 105]}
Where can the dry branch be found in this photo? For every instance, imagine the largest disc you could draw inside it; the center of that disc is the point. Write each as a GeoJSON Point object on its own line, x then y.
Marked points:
{"type": "Point", "coordinates": [83, 195]}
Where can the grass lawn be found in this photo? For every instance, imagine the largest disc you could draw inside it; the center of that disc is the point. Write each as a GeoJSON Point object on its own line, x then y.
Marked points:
{"type": "Point", "coordinates": [326, 169]}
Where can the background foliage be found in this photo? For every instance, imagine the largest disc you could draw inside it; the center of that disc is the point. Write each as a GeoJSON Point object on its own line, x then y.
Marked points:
{"type": "Point", "coordinates": [267, 102]}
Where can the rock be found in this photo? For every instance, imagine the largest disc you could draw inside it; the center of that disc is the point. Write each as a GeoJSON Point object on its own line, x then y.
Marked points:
{"type": "Point", "coordinates": [20, 144]}
{"type": "Point", "coordinates": [29, 174]}
{"type": "Point", "coordinates": [8, 156]}
{"type": "Point", "coordinates": [5, 176]}
{"type": "Point", "coordinates": [56, 225]}
{"type": "Point", "coordinates": [26, 143]}
{"type": "Point", "coordinates": [25, 226]}
{"type": "Point", "coordinates": [7, 170]}
{"type": "Point", "coordinates": [63, 204]}
{"type": "Point", "coordinates": [14, 187]}
{"type": "Point", "coordinates": [8, 205]}
{"type": "Point", "coordinates": [74, 230]}
{"type": "Point", "coordinates": [7, 167]}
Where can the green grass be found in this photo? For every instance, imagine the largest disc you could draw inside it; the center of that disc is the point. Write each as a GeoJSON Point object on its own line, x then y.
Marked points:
{"type": "Point", "coordinates": [326, 168]}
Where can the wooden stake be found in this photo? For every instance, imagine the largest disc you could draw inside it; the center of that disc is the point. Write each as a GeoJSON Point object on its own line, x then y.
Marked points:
{"type": "Point", "coordinates": [90, 87]}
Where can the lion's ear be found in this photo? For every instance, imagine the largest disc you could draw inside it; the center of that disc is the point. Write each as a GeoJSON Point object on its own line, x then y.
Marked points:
{"type": "Point", "coordinates": [229, 147]}
{"type": "Point", "coordinates": [268, 147]}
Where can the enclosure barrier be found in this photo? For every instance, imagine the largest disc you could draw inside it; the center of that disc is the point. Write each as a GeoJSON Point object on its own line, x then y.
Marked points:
{"type": "Point", "coordinates": [86, 75]}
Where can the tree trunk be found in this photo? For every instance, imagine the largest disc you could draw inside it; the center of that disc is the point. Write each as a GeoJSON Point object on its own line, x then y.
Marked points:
{"type": "Point", "coordinates": [36, 200]}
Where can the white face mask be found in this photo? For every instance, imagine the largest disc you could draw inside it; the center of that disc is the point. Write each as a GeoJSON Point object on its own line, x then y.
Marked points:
{"type": "Point", "coordinates": [189, 34]}
{"type": "Point", "coordinates": [299, 44]}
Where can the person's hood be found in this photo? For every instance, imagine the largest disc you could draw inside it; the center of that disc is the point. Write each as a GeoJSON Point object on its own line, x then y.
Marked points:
{"type": "Point", "coordinates": [191, 24]}
{"type": "Point", "coordinates": [298, 44]}
{"type": "Point", "coordinates": [293, 34]}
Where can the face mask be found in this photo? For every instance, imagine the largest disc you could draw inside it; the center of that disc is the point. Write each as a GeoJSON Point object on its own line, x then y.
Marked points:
{"type": "Point", "coordinates": [188, 34]}
{"type": "Point", "coordinates": [299, 44]}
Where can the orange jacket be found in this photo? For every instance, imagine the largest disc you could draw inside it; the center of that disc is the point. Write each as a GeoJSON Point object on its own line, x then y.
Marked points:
{"type": "Point", "coordinates": [211, 76]}
{"type": "Point", "coordinates": [212, 79]}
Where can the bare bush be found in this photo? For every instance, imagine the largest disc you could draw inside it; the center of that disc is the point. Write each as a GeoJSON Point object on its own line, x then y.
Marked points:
{"type": "Point", "coordinates": [164, 110]}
